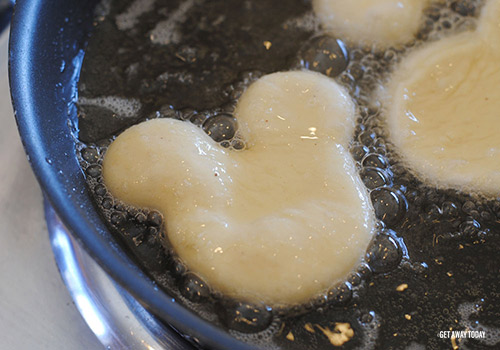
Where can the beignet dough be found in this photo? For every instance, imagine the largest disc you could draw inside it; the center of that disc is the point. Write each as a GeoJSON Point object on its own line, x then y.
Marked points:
{"type": "Point", "coordinates": [278, 222]}
{"type": "Point", "coordinates": [443, 108]}
{"type": "Point", "coordinates": [384, 23]}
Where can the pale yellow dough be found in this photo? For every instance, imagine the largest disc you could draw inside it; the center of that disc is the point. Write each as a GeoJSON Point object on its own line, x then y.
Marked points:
{"type": "Point", "coordinates": [443, 106]}
{"type": "Point", "coordinates": [381, 22]}
{"type": "Point", "coordinates": [278, 222]}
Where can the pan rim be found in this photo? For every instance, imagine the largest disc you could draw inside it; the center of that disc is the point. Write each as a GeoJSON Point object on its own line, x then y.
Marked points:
{"type": "Point", "coordinates": [26, 58]}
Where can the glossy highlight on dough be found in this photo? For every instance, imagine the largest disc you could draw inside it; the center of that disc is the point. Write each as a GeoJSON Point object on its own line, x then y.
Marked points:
{"type": "Point", "coordinates": [278, 222]}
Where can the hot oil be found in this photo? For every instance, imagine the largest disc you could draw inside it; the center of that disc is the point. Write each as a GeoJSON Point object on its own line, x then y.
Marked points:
{"type": "Point", "coordinates": [432, 267]}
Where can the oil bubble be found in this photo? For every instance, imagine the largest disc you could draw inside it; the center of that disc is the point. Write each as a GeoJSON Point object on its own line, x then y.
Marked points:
{"type": "Point", "coordinates": [220, 127]}
{"type": "Point", "coordinates": [358, 152]}
{"type": "Point", "coordinates": [367, 137]}
{"type": "Point", "coordinates": [168, 111]}
{"type": "Point", "coordinates": [374, 177]}
{"type": "Point", "coordinates": [198, 118]}
{"type": "Point", "coordinates": [354, 279]}
{"type": "Point", "coordinates": [117, 218]}
{"type": "Point", "coordinates": [194, 288]}
{"type": "Point", "coordinates": [326, 55]}
{"type": "Point", "coordinates": [93, 170]}
{"type": "Point", "coordinates": [319, 301]}
{"type": "Point", "coordinates": [140, 218]}
{"type": "Point", "coordinates": [364, 271]}
{"type": "Point", "coordinates": [390, 205]}
{"type": "Point", "coordinates": [375, 161]}
{"type": "Point", "coordinates": [340, 294]}
{"type": "Point", "coordinates": [177, 267]}
{"type": "Point", "coordinates": [100, 190]}
{"type": "Point", "coordinates": [90, 154]}
{"type": "Point", "coordinates": [238, 144]}
{"type": "Point", "coordinates": [107, 202]}
{"type": "Point", "coordinates": [357, 71]}
{"type": "Point", "coordinates": [155, 218]}
{"type": "Point", "coordinates": [384, 253]}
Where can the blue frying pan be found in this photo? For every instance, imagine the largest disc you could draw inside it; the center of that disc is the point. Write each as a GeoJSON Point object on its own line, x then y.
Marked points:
{"type": "Point", "coordinates": [46, 43]}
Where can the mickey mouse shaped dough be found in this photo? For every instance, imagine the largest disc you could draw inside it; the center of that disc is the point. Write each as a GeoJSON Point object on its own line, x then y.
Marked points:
{"type": "Point", "coordinates": [443, 106]}
{"type": "Point", "coordinates": [277, 222]}
{"type": "Point", "coordinates": [384, 23]}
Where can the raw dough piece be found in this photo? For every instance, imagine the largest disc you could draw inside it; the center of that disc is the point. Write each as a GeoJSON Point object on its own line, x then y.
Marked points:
{"type": "Point", "coordinates": [381, 22]}
{"type": "Point", "coordinates": [443, 106]}
{"type": "Point", "coordinates": [278, 222]}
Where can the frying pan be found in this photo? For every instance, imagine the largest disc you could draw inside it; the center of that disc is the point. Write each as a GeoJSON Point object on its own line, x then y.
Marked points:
{"type": "Point", "coordinates": [46, 42]}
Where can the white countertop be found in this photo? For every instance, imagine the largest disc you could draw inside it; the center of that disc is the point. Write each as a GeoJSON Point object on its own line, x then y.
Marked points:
{"type": "Point", "coordinates": [36, 311]}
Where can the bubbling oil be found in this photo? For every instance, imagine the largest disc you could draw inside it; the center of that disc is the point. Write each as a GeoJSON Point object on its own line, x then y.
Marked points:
{"type": "Point", "coordinates": [436, 250]}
